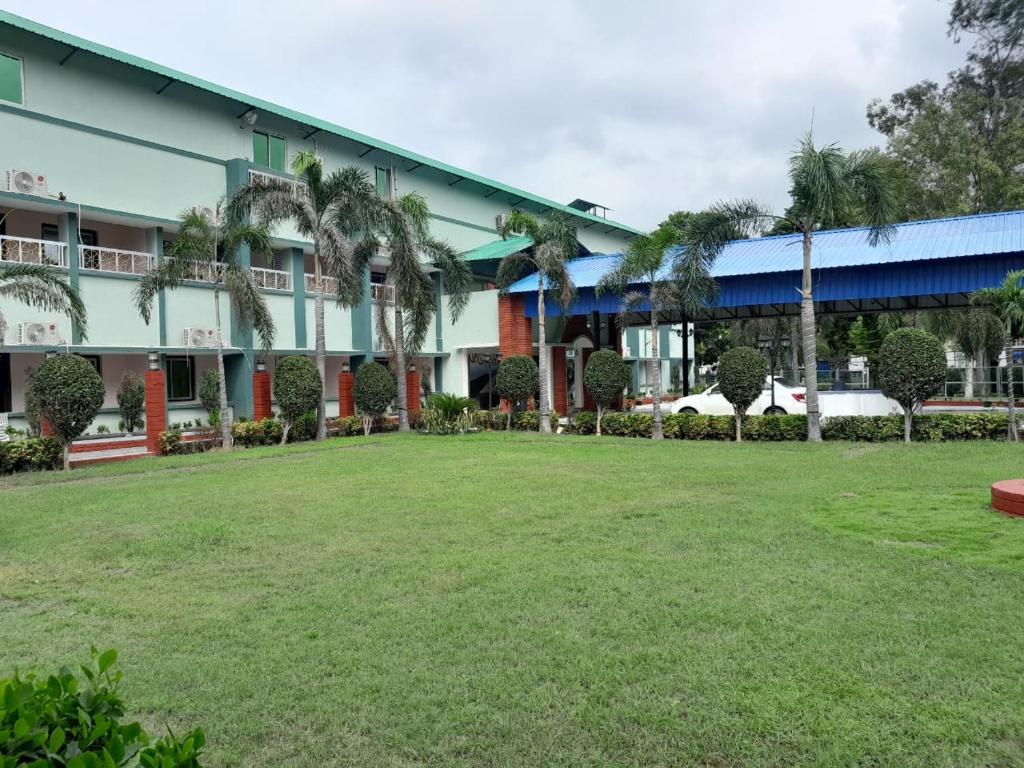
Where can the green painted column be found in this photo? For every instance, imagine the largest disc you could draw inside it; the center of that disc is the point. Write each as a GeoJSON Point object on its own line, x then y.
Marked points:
{"type": "Point", "coordinates": [238, 368]}
{"type": "Point", "coordinates": [299, 290]}
{"type": "Point", "coordinates": [155, 245]}
{"type": "Point", "coordinates": [362, 321]}
{"type": "Point", "coordinates": [633, 342]}
{"type": "Point", "coordinates": [438, 298]}
{"type": "Point", "coordinates": [67, 232]}
{"type": "Point", "coordinates": [664, 332]}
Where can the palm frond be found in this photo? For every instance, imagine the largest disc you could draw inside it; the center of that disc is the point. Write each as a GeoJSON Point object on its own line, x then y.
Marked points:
{"type": "Point", "coordinates": [248, 305]}
{"type": "Point", "coordinates": [520, 223]}
{"type": "Point", "coordinates": [40, 287]}
{"type": "Point", "coordinates": [417, 214]}
{"type": "Point", "coordinates": [869, 175]}
{"type": "Point", "coordinates": [511, 268]}
{"type": "Point", "coordinates": [818, 182]}
{"type": "Point", "coordinates": [456, 275]}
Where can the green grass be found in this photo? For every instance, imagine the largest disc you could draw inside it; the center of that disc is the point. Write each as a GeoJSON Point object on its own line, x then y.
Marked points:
{"type": "Point", "coordinates": [498, 600]}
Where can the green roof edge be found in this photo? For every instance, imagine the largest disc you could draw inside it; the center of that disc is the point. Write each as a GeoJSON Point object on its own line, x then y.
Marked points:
{"type": "Point", "coordinates": [98, 49]}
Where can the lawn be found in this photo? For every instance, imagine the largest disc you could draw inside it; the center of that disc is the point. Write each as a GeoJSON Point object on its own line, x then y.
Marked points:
{"type": "Point", "coordinates": [500, 600]}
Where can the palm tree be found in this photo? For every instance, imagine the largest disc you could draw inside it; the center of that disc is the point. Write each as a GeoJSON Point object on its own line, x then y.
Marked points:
{"type": "Point", "coordinates": [408, 233]}
{"type": "Point", "coordinates": [207, 248]}
{"type": "Point", "coordinates": [554, 245]}
{"type": "Point", "coordinates": [1006, 302]}
{"type": "Point", "coordinates": [40, 287]}
{"type": "Point", "coordinates": [332, 210]}
{"type": "Point", "coordinates": [979, 337]}
{"type": "Point", "coordinates": [643, 265]}
{"type": "Point", "coordinates": [829, 187]}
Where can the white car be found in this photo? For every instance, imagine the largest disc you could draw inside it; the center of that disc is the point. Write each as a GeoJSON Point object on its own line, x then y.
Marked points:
{"type": "Point", "coordinates": [788, 399]}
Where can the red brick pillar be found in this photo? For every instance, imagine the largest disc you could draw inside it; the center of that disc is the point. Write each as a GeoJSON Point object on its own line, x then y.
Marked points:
{"type": "Point", "coordinates": [261, 407]}
{"type": "Point", "coordinates": [515, 334]}
{"type": "Point", "coordinates": [346, 385]}
{"type": "Point", "coordinates": [412, 390]}
{"type": "Point", "coordinates": [560, 401]}
{"type": "Point", "coordinates": [45, 430]}
{"type": "Point", "coordinates": [156, 408]}
{"type": "Point", "coordinates": [588, 399]}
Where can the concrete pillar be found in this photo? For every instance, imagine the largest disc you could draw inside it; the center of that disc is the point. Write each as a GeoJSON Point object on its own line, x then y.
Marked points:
{"type": "Point", "coordinates": [67, 231]}
{"type": "Point", "coordinates": [588, 399]}
{"type": "Point", "coordinates": [261, 400]}
{"type": "Point", "coordinates": [156, 404]}
{"type": "Point", "coordinates": [560, 398]}
{"type": "Point", "coordinates": [346, 385]}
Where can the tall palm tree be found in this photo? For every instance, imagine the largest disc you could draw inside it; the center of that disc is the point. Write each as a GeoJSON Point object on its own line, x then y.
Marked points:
{"type": "Point", "coordinates": [402, 328]}
{"type": "Point", "coordinates": [979, 337]}
{"type": "Point", "coordinates": [40, 287]}
{"type": "Point", "coordinates": [208, 248]}
{"type": "Point", "coordinates": [829, 187]}
{"type": "Point", "coordinates": [554, 245]}
{"type": "Point", "coordinates": [641, 278]}
{"type": "Point", "coordinates": [1006, 302]}
{"type": "Point", "coordinates": [338, 212]}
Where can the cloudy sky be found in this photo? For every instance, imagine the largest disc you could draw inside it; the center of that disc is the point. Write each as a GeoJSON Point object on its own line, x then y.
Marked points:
{"type": "Point", "coordinates": [646, 107]}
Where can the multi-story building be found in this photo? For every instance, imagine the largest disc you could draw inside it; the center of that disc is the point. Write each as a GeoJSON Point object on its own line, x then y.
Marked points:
{"type": "Point", "coordinates": [103, 152]}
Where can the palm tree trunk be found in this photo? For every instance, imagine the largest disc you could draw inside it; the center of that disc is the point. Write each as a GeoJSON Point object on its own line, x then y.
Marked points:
{"type": "Point", "coordinates": [794, 349]}
{"type": "Point", "coordinates": [810, 345]}
{"type": "Point", "coordinates": [1011, 415]}
{"type": "Point", "coordinates": [739, 425]}
{"type": "Point", "coordinates": [403, 394]}
{"type": "Point", "coordinates": [969, 379]}
{"type": "Point", "coordinates": [656, 431]}
{"type": "Point", "coordinates": [321, 347]}
{"type": "Point", "coordinates": [65, 452]}
{"type": "Point", "coordinates": [908, 417]}
{"type": "Point", "coordinates": [600, 413]}
{"type": "Point", "coordinates": [225, 425]}
{"type": "Point", "coordinates": [542, 364]}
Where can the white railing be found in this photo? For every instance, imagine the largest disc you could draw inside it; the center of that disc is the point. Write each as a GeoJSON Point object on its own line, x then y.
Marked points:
{"type": "Point", "coordinates": [116, 260]}
{"type": "Point", "coordinates": [205, 272]}
{"type": "Point", "coordinates": [382, 292]}
{"type": "Point", "coordinates": [298, 187]}
{"type": "Point", "coordinates": [25, 250]}
{"type": "Point", "coordinates": [272, 278]}
{"type": "Point", "coordinates": [330, 285]}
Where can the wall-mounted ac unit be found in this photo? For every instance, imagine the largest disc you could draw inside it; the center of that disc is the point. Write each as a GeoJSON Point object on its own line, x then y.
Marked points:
{"type": "Point", "coordinates": [500, 220]}
{"type": "Point", "coordinates": [200, 337]}
{"type": "Point", "coordinates": [39, 333]}
{"type": "Point", "coordinates": [25, 182]}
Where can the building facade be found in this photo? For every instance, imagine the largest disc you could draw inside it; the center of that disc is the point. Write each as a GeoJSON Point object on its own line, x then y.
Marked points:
{"type": "Point", "coordinates": [104, 151]}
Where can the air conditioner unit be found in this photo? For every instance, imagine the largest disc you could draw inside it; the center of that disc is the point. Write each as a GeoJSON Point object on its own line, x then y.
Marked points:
{"type": "Point", "coordinates": [200, 337]}
{"type": "Point", "coordinates": [39, 333]}
{"type": "Point", "coordinates": [500, 220]}
{"type": "Point", "coordinates": [25, 182]}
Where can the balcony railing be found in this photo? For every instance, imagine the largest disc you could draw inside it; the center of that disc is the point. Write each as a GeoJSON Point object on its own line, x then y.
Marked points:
{"type": "Point", "coordinates": [24, 250]}
{"type": "Point", "coordinates": [382, 292]}
{"type": "Point", "coordinates": [116, 260]}
{"type": "Point", "coordinates": [272, 278]}
{"type": "Point", "coordinates": [330, 285]}
{"type": "Point", "coordinates": [298, 187]}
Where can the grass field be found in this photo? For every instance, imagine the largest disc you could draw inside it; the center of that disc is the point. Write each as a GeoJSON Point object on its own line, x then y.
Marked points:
{"type": "Point", "coordinates": [500, 600]}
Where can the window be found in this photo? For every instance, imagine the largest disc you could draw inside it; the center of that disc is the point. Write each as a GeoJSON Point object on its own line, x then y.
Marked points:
{"type": "Point", "coordinates": [384, 183]}
{"type": "Point", "coordinates": [86, 236]}
{"type": "Point", "coordinates": [5, 382]}
{"type": "Point", "coordinates": [11, 88]}
{"type": "Point", "coordinates": [378, 278]}
{"type": "Point", "coordinates": [94, 361]}
{"type": "Point", "coordinates": [269, 150]}
{"type": "Point", "coordinates": [181, 378]}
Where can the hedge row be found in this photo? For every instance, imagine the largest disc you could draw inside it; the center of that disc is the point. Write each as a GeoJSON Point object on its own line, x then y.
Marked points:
{"type": "Point", "coordinates": [35, 454]}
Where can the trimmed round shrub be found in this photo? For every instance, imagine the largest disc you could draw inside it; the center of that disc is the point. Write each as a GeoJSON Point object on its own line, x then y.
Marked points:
{"type": "Point", "coordinates": [741, 375]}
{"type": "Point", "coordinates": [517, 380]}
{"type": "Point", "coordinates": [912, 368]}
{"type": "Point", "coordinates": [209, 395]}
{"type": "Point", "coordinates": [374, 390]}
{"type": "Point", "coordinates": [297, 389]}
{"type": "Point", "coordinates": [605, 377]}
{"type": "Point", "coordinates": [69, 393]}
{"type": "Point", "coordinates": [131, 400]}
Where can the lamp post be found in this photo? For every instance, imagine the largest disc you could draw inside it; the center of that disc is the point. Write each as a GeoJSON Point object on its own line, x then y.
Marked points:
{"type": "Point", "coordinates": [768, 345]}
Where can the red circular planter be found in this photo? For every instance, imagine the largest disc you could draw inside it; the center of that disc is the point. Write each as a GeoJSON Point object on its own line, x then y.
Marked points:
{"type": "Point", "coordinates": [1008, 497]}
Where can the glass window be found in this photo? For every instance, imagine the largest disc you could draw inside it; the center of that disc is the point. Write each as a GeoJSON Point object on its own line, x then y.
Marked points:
{"type": "Point", "coordinates": [11, 88]}
{"type": "Point", "coordinates": [181, 378]}
{"type": "Point", "coordinates": [384, 183]}
{"type": "Point", "coordinates": [269, 150]}
{"type": "Point", "coordinates": [277, 153]}
{"type": "Point", "coordinates": [260, 148]}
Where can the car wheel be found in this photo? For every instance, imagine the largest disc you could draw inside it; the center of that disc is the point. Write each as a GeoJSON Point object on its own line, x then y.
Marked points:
{"type": "Point", "coordinates": [775, 410]}
{"type": "Point", "coordinates": [688, 410]}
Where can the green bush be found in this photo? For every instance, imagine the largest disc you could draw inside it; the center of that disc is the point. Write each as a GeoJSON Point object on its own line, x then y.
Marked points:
{"type": "Point", "coordinates": [304, 428]}
{"type": "Point", "coordinates": [517, 381]}
{"type": "Point", "coordinates": [933, 427]}
{"type": "Point", "coordinates": [63, 720]}
{"type": "Point", "coordinates": [32, 412]}
{"type": "Point", "coordinates": [131, 400]}
{"type": "Point", "coordinates": [605, 377]}
{"type": "Point", "coordinates": [374, 390]}
{"type": "Point", "coordinates": [344, 426]}
{"type": "Point", "coordinates": [209, 395]}
{"type": "Point", "coordinates": [250, 434]}
{"type": "Point", "coordinates": [297, 389]}
{"type": "Point", "coordinates": [34, 454]}
{"type": "Point", "coordinates": [584, 423]}
{"type": "Point", "coordinates": [69, 393]}
{"type": "Point", "coordinates": [911, 368]}
{"type": "Point", "coordinates": [172, 443]}
{"type": "Point", "coordinates": [448, 414]}
{"type": "Point", "coordinates": [529, 421]}
{"type": "Point", "coordinates": [741, 375]}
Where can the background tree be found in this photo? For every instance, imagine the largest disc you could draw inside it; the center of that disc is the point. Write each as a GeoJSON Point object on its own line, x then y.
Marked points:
{"type": "Point", "coordinates": [516, 381]}
{"type": "Point", "coordinates": [297, 389]}
{"type": "Point", "coordinates": [605, 377]}
{"type": "Point", "coordinates": [33, 414]}
{"type": "Point", "coordinates": [209, 248]}
{"type": "Point", "coordinates": [374, 391]}
{"type": "Point", "coordinates": [131, 400]}
{"type": "Point", "coordinates": [340, 213]}
{"type": "Point", "coordinates": [741, 375]}
{"type": "Point", "coordinates": [979, 337]}
{"type": "Point", "coordinates": [641, 278]}
{"type": "Point", "coordinates": [1006, 303]}
{"type": "Point", "coordinates": [912, 368]}
{"type": "Point", "coordinates": [554, 245]}
{"type": "Point", "coordinates": [69, 393]}
{"type": "Point", "coordinates": [38, 286]}
{"type": "Point", "coordinates": [402, 327]}
{"type": "Point", "coordinates": [209, 395]}
{"type": "Point", "coordinates": [827, 186]}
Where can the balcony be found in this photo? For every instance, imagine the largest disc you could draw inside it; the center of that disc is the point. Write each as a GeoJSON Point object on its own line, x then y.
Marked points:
{"type": "Point", "coordinates": [382, 292]}
{"type": "Point", "coordinates": [274, 279]}
{"type": "Point", "coordinates": [298, 187]}
{"type": "Point", "coordinates": [123, 262]}
{"type": "Point", "coordinates": [330, 285]}
{"type": "Point", "coordinates": [25, 250]}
